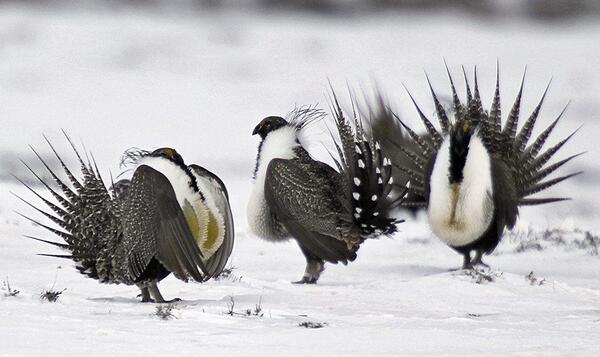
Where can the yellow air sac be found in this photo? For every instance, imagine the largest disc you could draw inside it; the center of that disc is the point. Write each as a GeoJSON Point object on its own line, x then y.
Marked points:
{"type": "Point", "coordinates": [208, 229]}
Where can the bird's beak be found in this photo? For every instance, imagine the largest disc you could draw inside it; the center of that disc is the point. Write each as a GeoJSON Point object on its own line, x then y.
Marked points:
{"type": "Point", "coordinates": [257, 129]}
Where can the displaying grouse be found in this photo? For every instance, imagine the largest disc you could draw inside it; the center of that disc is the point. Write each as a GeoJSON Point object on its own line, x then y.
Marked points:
{"type": "Point", "coordinates": [328, 211]}
{"type": "Point", "coordinates": [167, 218]}
{"type": "Point", "coordinates": [473, 175]}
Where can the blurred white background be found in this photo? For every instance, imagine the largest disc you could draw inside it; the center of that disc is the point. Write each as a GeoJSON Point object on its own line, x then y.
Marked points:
{"type": "Point", "coordinates": [199, 75]}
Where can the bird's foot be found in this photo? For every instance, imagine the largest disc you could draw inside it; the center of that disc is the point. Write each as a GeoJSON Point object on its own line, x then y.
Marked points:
{"type": "Point", "coordinates": [163, 301]}
{"type": "Point", "coordinates": [313, 271]}
{"type": "Point", "coordinates": [152, 291]}
{"type": "Point", "coordinates": [467, 264]}
{"type": "Point", "coordinates": [306, 280]}
{"type": "Point", "coordinates": [145, 294]}
{"type": "Point", "coordinates": [477, 261]}
{"type": "Point", "coordinates": [147, 299]}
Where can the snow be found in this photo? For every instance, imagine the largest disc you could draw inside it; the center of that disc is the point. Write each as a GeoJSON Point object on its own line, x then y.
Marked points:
{"type": "Point", "coordinates": [199, 82]}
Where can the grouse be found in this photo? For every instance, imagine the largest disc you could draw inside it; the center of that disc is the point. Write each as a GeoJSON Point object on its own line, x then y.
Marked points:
{"type": "Point", "coordinates": [328, 211]}
{"type": "Point", "coordinates": [167, 218]}
{"type": "Point", "coordinates": [473, 175]}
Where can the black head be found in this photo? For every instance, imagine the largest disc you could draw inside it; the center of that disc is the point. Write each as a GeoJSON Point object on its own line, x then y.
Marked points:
{"type": "Point", "coordinates": [460, 136]}
{"type": "Point", "coordinates": [269, 124]}
{"type": "Point", "coordinates": [170, 154]}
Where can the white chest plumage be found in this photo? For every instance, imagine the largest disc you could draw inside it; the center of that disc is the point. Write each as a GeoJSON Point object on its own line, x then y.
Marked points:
{"type": "Point", "coordinates": [460, 213]}
{"type": "Point", "coordinates": [178, 178]}
{"type": "Point", "coordinates": [280, 144]}
{"type": "Point", "coordinates": [203, 217]}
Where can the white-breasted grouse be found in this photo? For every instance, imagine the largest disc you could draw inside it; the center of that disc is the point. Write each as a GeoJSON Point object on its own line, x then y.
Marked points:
{"type": "Point", "coordinates": [167, 218]}
{"type": "Point", "coordinates": [329, 212]}
{"type": "Point", "coordinates": [473, 175]}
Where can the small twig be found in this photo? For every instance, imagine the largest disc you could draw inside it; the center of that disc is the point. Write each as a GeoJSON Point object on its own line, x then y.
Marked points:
{"type": "Point", "coordinates": [230, 306]}
{"type": "Point", "coordinates": [533, 280]}
{"type": "Point", "coordinates": [258, 308]}
{"type": "Point", "coordinates": [51, 295]}
{"type": "Point", "coordinates": [228, 273]}
{"type": "Point", "coordinates": [10, 291]}
{"type": "Point", "coordinates": [310, 324]}
{"type": "Point", "coordinates": [165, 311]}
{"type": "Point", "coordinates": [482, 277]}
{"type": "Point", "coordinates": [257, 311]}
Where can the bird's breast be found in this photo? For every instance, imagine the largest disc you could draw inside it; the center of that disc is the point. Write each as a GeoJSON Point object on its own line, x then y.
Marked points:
{"type": "Point", "coordinates": [207, 226]}
{"type": "Point", "coordinates": [279, 144]}
{"type": "Point", "coordinates": [461, 212]}
{"type": "Point", "coordinates": [459, 217]}
{"type": "Point", "coordinates": [261, 220]}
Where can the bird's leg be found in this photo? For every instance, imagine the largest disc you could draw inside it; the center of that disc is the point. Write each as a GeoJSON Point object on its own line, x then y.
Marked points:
{"type": "Point", "coordinates": [145, 294]}
{"type": "Point", "coordinates": [467, 261]}
{"type": "Point", "coordinates": [477, 259]}
{"type": "Point", "coordinates": [314, 268]}
{"type": "Point", "coordinates": [153, 289]}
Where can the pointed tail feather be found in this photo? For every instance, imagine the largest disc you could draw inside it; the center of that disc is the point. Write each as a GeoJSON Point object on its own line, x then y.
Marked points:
{"type": "Point", "coordinates": [421, 142]}
{"type": "Point", "coordinates": [547, 184]}
{"type": "Point", "coordinates": [540, 175]}
{"type": "Point", "coordinates": [532, 151]}
{"type": "Point", "coordinates": [61, 200]}
{"type": "Point", "coordinates": [82, 211]}
{"type": "Point", "coordinates": [60, 245]}
{"type": "Point", "coordinates": [51, 217]}
{"type": "Point", "coordinates": [542, 159]}
{"type": "Point", "coordinates": [441, 113]}
{"type": "Point", "coordinates": [525, 133]}
{"type": "Point", "coordinates": [431, 130]}
{"type": "Point", "coordinates": [495, 110]}
{"type": "Point", "coordinates": [510, 127]}
{"type": "Point", "coordinates": [368, 176]}
{"type": "Point", "coordinates": [458, 107]}
{"type": "Point", "coordinates": [61, 234]}
{"type": "Point", "coordinates": [541, 201]}
{"type": "Point", "coordinates": [64, 166]}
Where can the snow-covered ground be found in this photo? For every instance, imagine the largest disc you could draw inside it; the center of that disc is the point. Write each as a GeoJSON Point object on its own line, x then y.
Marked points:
{"type": "Point", "coordinates": [199, 82]}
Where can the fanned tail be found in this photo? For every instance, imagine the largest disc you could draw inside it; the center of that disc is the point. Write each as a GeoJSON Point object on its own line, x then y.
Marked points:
{"type": "Point", "coordinates": [367, 175]}
{"type": "Point", "coordinates": [525, 159]}
{"type": "Point", "coordinates": [522, 153]}
{"type": "Point", "coordinates": [409, 151]}
{"type": "Point", "coordinates": [83, 213]}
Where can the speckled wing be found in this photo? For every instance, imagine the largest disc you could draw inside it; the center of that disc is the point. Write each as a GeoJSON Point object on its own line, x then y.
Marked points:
{"type": "Point", "coordinates": [218, 193]}
{"type": "Point", "coordinates": [154, 226]}
{"type": "Point", "coordinates": [303, 197]}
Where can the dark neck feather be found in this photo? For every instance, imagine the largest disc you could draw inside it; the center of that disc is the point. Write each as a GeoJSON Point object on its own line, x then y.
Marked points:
{"type": "Point", "coordinates": [193, 183]}
{"type": "Point", "coordinates": [259, 151]}
{"type": "Point", "coordinates": [459, 149]}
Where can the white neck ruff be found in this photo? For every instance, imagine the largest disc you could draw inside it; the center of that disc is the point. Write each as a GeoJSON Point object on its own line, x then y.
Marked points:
{"type": "Point", "coordinates": [278, 144]}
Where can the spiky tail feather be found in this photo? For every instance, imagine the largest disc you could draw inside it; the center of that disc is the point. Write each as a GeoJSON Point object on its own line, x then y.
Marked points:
{"type": "Point", "coordinates": [526, 160]}
{"type": "Point", "coordinates": [83, 213]}
{"type": "Point", "coordinates": [367, 176]}
{"type": "Point", "coordinates": [407, 163]}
